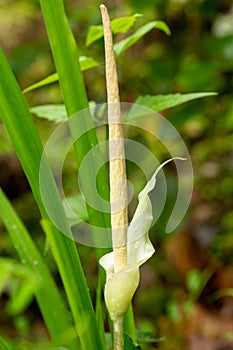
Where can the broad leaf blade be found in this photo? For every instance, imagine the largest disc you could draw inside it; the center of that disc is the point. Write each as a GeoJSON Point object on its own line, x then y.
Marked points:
{"type": "Point", "coordinates": [159, 103]}
{"type": "Point", "coordinates": [123, 45]}
{"type": "Point", "coordinates": [94, 33]}
{"type": "Point", "coordinates": [118, 25]}
{"type": "Point", "coordinates": [123, 24]}
{"type": "Point", "coordinates": [56, 113]}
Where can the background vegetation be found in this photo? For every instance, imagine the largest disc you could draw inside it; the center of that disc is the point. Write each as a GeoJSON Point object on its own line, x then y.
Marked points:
{"type": "Point", "coordinates": [184, 291]}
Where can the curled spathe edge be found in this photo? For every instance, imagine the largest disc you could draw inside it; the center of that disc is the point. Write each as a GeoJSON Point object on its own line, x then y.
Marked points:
{"type": "Point", "coordinates": [121, 286]}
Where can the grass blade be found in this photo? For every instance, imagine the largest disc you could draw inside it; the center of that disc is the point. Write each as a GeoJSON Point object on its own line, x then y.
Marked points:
{"type": "Point", "coordinates": [3, 344]}
{"type": "Point", "coordinates": [17, 119]}
{"type": "Point", "coordinates": [65, 54]}
{"type": "Point", "coordinates": [129, 324]}
{"type": "Point", "coordinates": [99, 311]}
{"type": "Point", "coordinates": [85, 64]}
{"type": "Point", "coordinates": [52, 306]}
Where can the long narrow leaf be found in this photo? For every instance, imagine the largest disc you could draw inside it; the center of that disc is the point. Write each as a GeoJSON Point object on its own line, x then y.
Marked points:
{"type": "Point", "coordinates": [99, 311]}
{"type": "Point", "coordinates": [17, 119]}
{"type": "Point", "coordinates": [85, 64]}
{"type": "Point", "coordinates": [65, 54]}
{"type": "Point", "coordinates": [4, 344]}
{"type": "Point", "coordinates": [53, 309]}
{"type": "Point", "coordinates": [129, 324]}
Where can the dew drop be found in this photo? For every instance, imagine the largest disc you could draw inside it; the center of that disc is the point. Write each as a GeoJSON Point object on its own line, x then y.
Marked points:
{"type": "Point", "coordinates": [23, 261]}
{"type": "Point", "coordinates": [14, 227]}
{"type": "Point", "coordinates": [16, 246]}
{"type": "Point", "coordinates": [35, 262]}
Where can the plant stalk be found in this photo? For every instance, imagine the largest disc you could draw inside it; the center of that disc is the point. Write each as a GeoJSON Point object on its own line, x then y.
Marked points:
{"type": "Point", "coordinates": [117, 168]}
{"type": "Point", "coordinates": [118, 334]}
{"type": "Point", "coordinates": [117, 171]}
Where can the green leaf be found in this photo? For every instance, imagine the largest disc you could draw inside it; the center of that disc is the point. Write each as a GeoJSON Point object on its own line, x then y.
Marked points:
{"type": "Point", "coordinates": [129, 324]}
{"type": "Point", "coordinates": [3, 344]}
{"type": "Point", "coordinates": [148, 337]}
{"type": "Point", "coordinates": [189, 307]}
{"type": "Point", "coordinates": [129, 344]}
{"type": "Point", "coordinates": [161, 102]}
{"type": "Point", "coordinates": [85, 64]}
{"type": "Point", "coordinates": [22, 297]}
{"type": "Point", "coordinates": [94, 33]}
{"type": "Point", "coordinates": [123, 24]}
{"type": "Point", "coordinates": [56, 113]}
{"type": "Point", "coordinates": [99, 311]}
{"type": "Point", "coordinates": [173, 311]}
{"type": "Point", "coordinates": [123, 45]}
{"type": "Point", "coordinates": [224, 292]}
{"type": "Point", "coordinates": [76, 209]}
{"type": "Point", "coordinates": [65, 53]}
{"type": "Point", "coordinates": [118, 25]}
{"type": "Point", "coordinates": [108, 341]}
{"type": "Point", "coordinates": [196, 281]}
{"type": "Point", "coordinates": [85, 320]}
{"type": "Point", "coordinates": [20, 284]}
{"type": "Point", "coordinates": [48, 297]}
{"type": "Point", "coordinates": [26, 141]}
{"type": "Point", "coordinates": [53, 112]}
{"type": "Point", "coordinates": [44, 82]}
